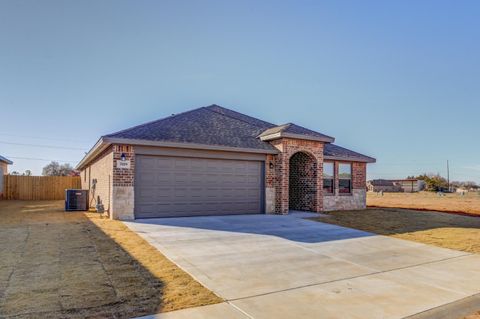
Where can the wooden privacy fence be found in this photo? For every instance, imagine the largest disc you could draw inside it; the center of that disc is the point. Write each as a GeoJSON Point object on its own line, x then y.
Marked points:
{"type": "Point", "coordinates": [38, 187]}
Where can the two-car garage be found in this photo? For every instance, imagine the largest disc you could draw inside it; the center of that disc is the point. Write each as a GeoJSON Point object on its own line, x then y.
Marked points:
{"type": "Point", "coordinates": [174, 186]}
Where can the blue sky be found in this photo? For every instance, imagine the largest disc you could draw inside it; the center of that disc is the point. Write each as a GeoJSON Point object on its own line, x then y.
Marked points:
{"type": "Point", "coordinates": [397, 80]}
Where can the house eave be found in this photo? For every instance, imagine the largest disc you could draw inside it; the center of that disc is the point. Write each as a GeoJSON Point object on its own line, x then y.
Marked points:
{"type": "Point", "coordinates": [278, 135]}
{"type": "Point", "coordinates": [99, 147]}
{"type": "Point", "coordinates": [350, 159]}
{"type": "Point", "coordinates": [104, 142]}
{"type": "Point", "coordinates": [116, 140]}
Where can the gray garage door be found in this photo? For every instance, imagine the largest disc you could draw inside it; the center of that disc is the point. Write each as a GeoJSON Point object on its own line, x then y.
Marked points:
{"type": "Point", "coordinates": [180, 186]}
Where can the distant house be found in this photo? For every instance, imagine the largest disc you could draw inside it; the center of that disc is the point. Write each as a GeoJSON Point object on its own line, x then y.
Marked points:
{"type": "Point", "coordinates": [4, 162]}
{"type": "Point", "coordinates": [410, 185]}
{"type": "Point", "coordinates": [383, 185]}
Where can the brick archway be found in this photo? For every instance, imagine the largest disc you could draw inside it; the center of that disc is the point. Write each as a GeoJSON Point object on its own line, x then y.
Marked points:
{"type": "Point", "coordinates": [302, 182]}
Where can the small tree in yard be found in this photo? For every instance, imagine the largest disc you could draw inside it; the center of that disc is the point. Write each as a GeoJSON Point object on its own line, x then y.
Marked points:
{"type": "Point", "coordinates": [56, 169]}
{"type": "Point", "coordinates": [433, 182]}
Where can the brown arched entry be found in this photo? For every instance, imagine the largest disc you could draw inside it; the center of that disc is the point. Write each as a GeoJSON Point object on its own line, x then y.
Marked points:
{"type": "Point", "coordinates": [302, 184]}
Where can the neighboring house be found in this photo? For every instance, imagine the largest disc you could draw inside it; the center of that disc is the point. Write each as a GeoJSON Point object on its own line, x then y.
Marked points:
{"type": "Point", "coordinates": [410, 185]}
{"type": "Point", "coordinates": [215, 161]}
{"type": "Point", "coordinates": [383, 185]}
{"type": "Point", "coordinates": [4, 162]}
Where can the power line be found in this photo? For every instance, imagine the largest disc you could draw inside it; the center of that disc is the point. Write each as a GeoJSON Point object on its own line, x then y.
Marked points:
{"type": "Point", "coordinates": [41, 159]}
{"type": "Point", "coordinates": [45, 146]}
{"type": "Point", "coordinates": [44, 138]}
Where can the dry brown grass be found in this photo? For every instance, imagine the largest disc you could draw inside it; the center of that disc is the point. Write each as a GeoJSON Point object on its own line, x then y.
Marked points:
{"type": "Point", "coordinates": [439, 229]}
{"type": "Point", "coordinates": [453, 203]}
{"type": "Point", "coordinates": [77, 265]}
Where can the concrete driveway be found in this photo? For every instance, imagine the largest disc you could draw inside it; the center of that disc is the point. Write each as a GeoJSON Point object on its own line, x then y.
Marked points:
{"type": "Point", "coordinates": [269, 266]}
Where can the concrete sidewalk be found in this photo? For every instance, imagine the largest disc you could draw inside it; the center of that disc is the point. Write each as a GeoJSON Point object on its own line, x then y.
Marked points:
{"type": "Point", "coordinates": [268, 266]}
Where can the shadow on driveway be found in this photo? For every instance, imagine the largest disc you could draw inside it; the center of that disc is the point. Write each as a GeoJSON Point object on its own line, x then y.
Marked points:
{"type": "Point", "coordinates": [291, 227]}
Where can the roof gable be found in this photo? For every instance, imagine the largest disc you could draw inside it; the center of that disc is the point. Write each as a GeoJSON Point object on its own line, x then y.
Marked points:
{"type": "Point", "coordinates": [294, 131]}
{"type": "Point", "coordinates": [332, 151]}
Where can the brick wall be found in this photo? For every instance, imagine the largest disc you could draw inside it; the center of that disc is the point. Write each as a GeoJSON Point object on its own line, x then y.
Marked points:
{"type": "Point", "coordinates": [355, 200]}
{"type": "Point", "coordinates": [123, 184]}
{"type": "Point", "coordinates": [100, 169]}
{"type": "Point", "coordinates": [359, 175]}
{"type": "Point", "coordinates": [122, 176]}
{"type": "Point", "coordinates": [114, 185]}
{"type": "Point", "coordinates": [287, 148]}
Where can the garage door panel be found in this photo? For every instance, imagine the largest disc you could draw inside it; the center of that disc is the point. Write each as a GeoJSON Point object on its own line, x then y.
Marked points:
{"type": "Point", "coordinates": [176, 186]}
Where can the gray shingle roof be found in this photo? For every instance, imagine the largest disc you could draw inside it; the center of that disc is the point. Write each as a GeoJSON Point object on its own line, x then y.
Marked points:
{"type": "Point", "coordinates": [216, 125]}
{"type": "Point", "coordinates": [338, 152]}
{"type": "Point", "coordinates": [211, 125]}
{"type": "Point", "coordinates": [294, 129]}
{"type": "Point", "coordinates": [5, 160]}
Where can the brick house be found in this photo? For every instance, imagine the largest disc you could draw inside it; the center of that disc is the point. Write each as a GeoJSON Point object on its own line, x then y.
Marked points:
{"type": "Point", "coordinates": [212, 161]}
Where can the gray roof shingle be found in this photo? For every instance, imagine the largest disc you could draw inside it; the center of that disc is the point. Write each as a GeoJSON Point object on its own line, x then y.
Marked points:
{"type": "Point", "coordinates": [338, 152]}
{"type": "Point", "coordinates": [216, 125]}
{"type": "Point", "coordinates": [206, 125]}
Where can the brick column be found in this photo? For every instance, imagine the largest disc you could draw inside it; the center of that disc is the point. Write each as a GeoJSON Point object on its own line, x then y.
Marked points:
{"type": "Point", "coordinates": [270, 181]}
{"type": "Point", "coordinates": [123, 184]}
{"type": "Point", "coordinates": [319, 204]}
{"type": "Point", "coordinates": [359, 175]}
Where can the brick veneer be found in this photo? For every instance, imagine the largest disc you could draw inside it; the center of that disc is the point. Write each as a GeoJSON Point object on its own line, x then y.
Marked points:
{"type": "Point", "coordinates": [359, 175]}
{"type": "Point", "coordinates": [123, 176]}
{"type": "Point", "coordinates": [100, 169]}
{"type": "Point", "coordinates": [302, 182]}
{"type": "Point", "coordinates": [288, 147]}
{"type": "Point", "coordinates": [299, 162]}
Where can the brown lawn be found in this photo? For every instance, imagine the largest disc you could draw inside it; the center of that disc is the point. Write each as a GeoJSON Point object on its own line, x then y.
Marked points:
{"type": "Point", "coordinates": [78, 265]}
{"type": "Point", "coordinates": [440, 229]}
{"type": "Point", "coordinates": [454, 203]}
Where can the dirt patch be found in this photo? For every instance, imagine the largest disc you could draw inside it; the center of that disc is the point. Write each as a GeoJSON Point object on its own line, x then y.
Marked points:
{"type": "Point", "coordinates": [78, 265]}
{"type": "Point", "coordinates": [428, 201]}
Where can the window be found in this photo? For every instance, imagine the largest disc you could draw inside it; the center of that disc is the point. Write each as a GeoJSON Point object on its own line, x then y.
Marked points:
{"type": "Point", "coordinates": [85, 175]}
{"type": "Point", "coordinates": [345, 178]}
{"type": "Point", "coordinates": [328, 178]}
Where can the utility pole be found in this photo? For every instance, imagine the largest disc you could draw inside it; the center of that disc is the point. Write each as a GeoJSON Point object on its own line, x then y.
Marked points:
{"type": "Point", "coordinates": [448, 175]}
